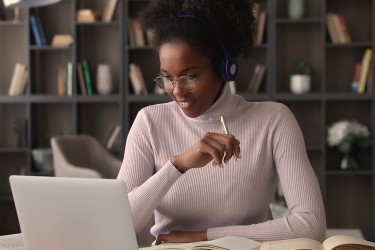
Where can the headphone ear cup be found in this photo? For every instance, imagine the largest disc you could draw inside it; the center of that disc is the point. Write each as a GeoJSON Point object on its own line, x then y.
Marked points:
{"type": "Point", "coordinates": [228, 69]}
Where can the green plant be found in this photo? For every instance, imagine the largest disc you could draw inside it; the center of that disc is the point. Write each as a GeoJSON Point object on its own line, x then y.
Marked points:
{"type": "Point", "coordinates": [303, 68]}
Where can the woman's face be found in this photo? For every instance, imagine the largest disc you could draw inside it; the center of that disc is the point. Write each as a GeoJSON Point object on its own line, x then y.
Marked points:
{"type": "Point", "coordinates": [178, 59]}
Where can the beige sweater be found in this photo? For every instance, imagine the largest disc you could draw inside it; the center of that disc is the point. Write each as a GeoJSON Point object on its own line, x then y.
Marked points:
{"type": "Point", "coordinates": [225, 201]}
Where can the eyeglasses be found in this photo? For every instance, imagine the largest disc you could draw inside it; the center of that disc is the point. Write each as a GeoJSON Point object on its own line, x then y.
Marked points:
{"type": "Point", "coordinates": [186, 82]}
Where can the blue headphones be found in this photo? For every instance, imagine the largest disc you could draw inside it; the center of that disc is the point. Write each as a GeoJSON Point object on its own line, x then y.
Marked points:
{"type": "Point", "coordinates": [228, 67]}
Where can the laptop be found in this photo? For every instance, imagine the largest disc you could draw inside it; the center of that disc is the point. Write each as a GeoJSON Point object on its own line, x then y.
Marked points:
{"type": "Point", "coordinates": [60, 213]}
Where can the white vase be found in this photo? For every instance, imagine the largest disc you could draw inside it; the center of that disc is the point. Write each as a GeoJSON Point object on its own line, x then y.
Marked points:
{"type": "Point", "coordinates": [104, 84]}
{"type": "Point", "coordinates": [300, 84]}
{"type": "Point", "coordinates": [296, 9]}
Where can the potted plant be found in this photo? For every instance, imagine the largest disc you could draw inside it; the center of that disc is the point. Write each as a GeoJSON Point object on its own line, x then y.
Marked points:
{"type": "Point", "coordinates": [349, 137]}
{"type": "Point", "coordinates": [300, 80]}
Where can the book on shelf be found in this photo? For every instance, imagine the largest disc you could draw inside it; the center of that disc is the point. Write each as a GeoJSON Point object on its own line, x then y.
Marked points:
{"type": "Point", "coordinates": [261, 24]}
{"type": "Point", "coordinates": [337, 242]}
{"type": "Point", "coordinates": [131, 34]}
{"type": "Point", "coordinates": [257, 78]}
{"type": "Point", "coordinates": [41, 30]}
{"type": "Point", "coordinates": [136, 79]}
{"type": "Point", "coordinates": [136, 32]}
{"type": "Point", "coordinates": [344, 29]}
{"type": "Point", "coordinates": [19, 80]}
{"type": "Point", "coordinates": [35, 31]}
{"type": "Point", "coordinates": [61, 76]}
{"type": "Point", "coordinates": [38, 31]}
{"type": "Point", "coordinates": [371, 76]}
{"type": "Point", "coordinates": [338, 29]}
{"type": "Point", "coordinates": [87, 77]}
{"type": "Point", "coordinates": [69, 79]}
{"type": "Point", "coordinates": [365, 66]}
{"type": "Point", "coordinates": [355, 81]}
{"type": "Point", "coordinates": [331, 29]}
{"type": "Point", "coordinates": [109, 10]}
{"type": "Point", "coordinates": [113, 136]}
{"type": "Point", "coordinates": [260, 16]}
{"type": "Point", "coordinates": [62, 41]}
{"type": "Point", "coordinates": [81, 79]}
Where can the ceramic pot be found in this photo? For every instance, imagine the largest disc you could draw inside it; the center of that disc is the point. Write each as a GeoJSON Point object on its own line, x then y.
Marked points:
{"type": "Point", "coordinates": [300, 84]}
{"type": "Point", "coordinates": [104, 84]}
{"type": "Point", "coordinates": [296, 9]}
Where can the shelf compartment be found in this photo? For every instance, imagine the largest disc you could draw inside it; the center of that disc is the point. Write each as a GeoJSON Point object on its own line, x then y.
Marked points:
{"type": "Point", "coordinates": [46, 81]}
{"type": "Point", "coordinates": [13, 125]}
{"type": "Point", "coordinates": [50, 16]}
{"type": "Point", "coordinates": [96, 45]}
{"type": "Point", "coordinates": [360, 27]}
{"type": "Point", "coordinates": [246, 70]}
{"type": "Point", "coordinates": [97, 119]}
{"type": "Point", "coordinates": [341, 214]}
{"type": "Point", "coordinates": [51, 119]}
{"type": "Point", "coordinates": [98, 6]}
{"type": "Point", "coordinates": [313, 9]}
{"type": "Point", "coordinates": [340, 67]}
{"type": "Point", "coordinates": [13, 49]}
{"type": "Point", "coordinates": [287, 53]}
{"type": "Point", "coordinates": [8, 218]}
{"type": "Point", "coordinates": [360, 111]}
{"type": "Point", "coordinates": [148, 60]}
{"type": "Point", "coordinates": [309, 116]}
{"type": "Point", "coordinates": [11, 164]}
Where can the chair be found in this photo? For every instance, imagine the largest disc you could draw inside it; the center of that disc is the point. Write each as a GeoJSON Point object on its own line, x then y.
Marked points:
{"type": "Point", "coordinates": [82, 156]}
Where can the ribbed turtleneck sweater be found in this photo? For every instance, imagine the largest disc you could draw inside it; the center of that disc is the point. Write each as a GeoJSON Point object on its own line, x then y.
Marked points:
{"type": "Point", "coordinates": [224, 201]}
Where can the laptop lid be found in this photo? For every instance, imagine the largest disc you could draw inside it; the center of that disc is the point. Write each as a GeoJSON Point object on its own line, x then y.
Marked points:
{"type": "Point", "coordinates": [63, 213]}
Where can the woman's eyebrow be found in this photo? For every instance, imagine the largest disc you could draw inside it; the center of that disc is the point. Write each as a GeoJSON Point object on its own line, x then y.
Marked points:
{"type": "Point", "coordinates": [182, 72]}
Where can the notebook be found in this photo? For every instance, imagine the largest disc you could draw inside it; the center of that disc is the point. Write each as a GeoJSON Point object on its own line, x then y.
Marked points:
{"type": "Point", "coordinates": [63, 213]}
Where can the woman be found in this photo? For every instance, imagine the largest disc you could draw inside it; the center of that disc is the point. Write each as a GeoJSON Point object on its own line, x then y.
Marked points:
{"type": "Point", "coordinates": [179, 164]}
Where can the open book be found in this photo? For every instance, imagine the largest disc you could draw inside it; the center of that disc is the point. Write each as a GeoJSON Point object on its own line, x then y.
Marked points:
{"type": "Point", "coordinates": [337, 242]}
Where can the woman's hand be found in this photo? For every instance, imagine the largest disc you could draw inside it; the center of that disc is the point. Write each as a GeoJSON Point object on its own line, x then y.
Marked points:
{"type": "Point", "coordinates": [181, 237]}
{"type": "Point", "coordinates": [213, 146]}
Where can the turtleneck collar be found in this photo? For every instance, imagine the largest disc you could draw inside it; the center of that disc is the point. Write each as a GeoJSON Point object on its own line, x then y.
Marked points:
{"type": "Point", "coordinates": [224, 106]}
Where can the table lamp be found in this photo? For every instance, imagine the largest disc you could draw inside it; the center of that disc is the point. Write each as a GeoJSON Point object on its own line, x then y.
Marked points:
{"type": "Point", "coordinates": [17, 4]}
{"type": "Point", "coordinates": [28, 3]}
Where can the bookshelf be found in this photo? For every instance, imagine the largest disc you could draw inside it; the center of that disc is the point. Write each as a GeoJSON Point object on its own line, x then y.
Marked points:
{"type": "Point", "coordinates": [45, 112]}
{"type": "Point", "coordinates": [348, 195]}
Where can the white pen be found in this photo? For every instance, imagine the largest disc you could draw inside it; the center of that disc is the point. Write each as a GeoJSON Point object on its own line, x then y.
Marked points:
{"type": "Point", "coordinates": [226, 130]}
{"type": "Point", "coordinates": [224, 125]}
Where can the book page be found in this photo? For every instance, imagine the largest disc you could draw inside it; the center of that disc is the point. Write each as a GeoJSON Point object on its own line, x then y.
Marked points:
{"type": "Point", "coordinates": [299, 243]}
{"type": "Point", "coordinates": [12, 242]}
{"type": "Point", "coordinates": [347, 242]}
{"type": "Point", "coordinates": [229, 242]}
{"type": "Point", "coordinates": [224, 243]}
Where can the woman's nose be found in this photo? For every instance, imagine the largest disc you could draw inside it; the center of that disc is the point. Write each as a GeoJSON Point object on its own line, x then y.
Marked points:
{"type": "Point", "coordinates": [177, 89]}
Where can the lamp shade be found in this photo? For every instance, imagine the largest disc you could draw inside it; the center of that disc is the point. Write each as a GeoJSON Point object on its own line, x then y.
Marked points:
{"type": "Point", "coordinates": [28, 3]}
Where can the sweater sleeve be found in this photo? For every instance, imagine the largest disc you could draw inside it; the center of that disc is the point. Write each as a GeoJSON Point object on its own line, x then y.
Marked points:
{"type": "Point", "coordinates": [145, 187]}
{"type": "Point", "coordinates": [299, 184]}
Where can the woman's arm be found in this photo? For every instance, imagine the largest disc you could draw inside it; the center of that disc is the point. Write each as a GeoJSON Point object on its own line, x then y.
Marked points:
{"type": "Point", "coordinates": [300, 187]}
{"type": "Point", "coordinates": [145, 189]}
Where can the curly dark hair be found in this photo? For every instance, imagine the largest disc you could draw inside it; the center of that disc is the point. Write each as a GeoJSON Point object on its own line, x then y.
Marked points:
{"type": "Point", "coordinates": [229, 21]}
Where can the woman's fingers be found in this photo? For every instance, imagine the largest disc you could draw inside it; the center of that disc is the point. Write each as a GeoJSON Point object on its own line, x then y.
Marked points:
{"type": "Point", "coordinates": [221, 147]}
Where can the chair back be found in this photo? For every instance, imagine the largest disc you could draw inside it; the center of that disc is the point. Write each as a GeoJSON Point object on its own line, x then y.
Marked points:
{"type": "Point", "coordinates": [82, 156]}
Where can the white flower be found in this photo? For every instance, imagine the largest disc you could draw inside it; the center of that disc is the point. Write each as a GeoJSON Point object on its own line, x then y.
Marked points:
{"type": "Point", "coordinates": [339, 130]}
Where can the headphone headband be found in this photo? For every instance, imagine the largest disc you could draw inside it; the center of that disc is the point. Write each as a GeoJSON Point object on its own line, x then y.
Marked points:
{"type": "Point", "coordinates": [228, 67]}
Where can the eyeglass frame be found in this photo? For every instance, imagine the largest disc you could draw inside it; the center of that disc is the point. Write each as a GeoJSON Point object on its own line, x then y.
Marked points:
{"type": "Point", "coordinates": [173, 81]}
